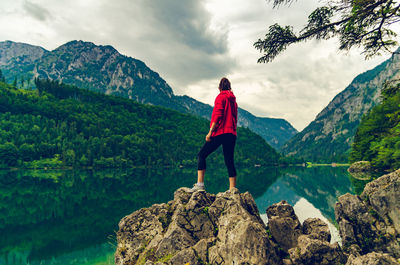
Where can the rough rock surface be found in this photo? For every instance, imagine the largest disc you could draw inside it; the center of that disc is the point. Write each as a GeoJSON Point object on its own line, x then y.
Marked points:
{"type": "Point", "coordinates": [316, 251]}
{"type": "Point", "coordinates": [371, 221]}
{"type": "Point", "coordinates": [196, 228]}
{"type": "Point", "coordinates": [372, 258]}
{"type": "Point", "coordinates": [315, 228]}
{"type": "Point", "coordinates": [283, 224]}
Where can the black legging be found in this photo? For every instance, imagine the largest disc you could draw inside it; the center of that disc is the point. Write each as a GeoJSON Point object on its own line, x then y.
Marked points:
{"type": "Point", "coordinates": [228, 142]}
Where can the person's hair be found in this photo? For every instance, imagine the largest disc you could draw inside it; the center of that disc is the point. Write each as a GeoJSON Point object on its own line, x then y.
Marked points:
{"type": "Point", "coordinates": [224, 84]}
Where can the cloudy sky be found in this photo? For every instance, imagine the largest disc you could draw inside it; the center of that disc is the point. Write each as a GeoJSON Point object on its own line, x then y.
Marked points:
{"type": "Point", "coordinates": [193, 43]}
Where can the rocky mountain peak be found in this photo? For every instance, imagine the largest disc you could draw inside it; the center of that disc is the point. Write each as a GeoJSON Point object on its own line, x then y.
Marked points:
{"type": "Point", "coordinates": [78, 47]}
{"type": "Point", "coordinates": [22, 53]}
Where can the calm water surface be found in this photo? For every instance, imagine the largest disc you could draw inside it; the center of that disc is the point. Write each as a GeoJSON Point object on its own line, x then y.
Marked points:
{"type": "Point", "coordinates": [70, 217]}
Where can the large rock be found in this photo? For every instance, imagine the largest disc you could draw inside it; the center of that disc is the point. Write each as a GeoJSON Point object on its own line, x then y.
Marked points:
{"type": "Point", "coordinates": [283, 224]}
{"type": "Point", "coordinates": [371, 221]}
{"type": "Point", "coordinates": [196, 228]}
{"type": "Point", "coordinates": [315, 251]}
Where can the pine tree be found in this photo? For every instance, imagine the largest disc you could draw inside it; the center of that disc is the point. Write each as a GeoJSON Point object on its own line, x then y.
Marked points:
{"type": "Point", "coordinates": [15, 82]}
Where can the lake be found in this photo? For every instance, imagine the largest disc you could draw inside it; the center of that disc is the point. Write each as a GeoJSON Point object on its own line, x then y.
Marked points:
{"type": "Point", "coordinates": [71, 216]}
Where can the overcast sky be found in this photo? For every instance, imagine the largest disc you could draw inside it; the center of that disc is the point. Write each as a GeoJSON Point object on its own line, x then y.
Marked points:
{"type": "Point", "coordinates": [193, 43]}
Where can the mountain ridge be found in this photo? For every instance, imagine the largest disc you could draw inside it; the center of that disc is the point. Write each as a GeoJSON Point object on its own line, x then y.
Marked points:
{"type": "Point", "coordinates": [329, 137]}
{"type": "Point", "coordinates": [102, 68]}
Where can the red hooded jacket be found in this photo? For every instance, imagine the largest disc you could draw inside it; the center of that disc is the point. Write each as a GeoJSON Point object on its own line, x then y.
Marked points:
{"type": "Point", "coordinates": [224, 113]}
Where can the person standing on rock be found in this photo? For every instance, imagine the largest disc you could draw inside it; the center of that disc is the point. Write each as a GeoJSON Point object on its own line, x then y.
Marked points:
{"type": "Point", "coordinates": [222, 132]}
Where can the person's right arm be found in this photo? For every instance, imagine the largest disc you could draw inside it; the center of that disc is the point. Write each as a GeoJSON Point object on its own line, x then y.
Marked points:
{"type": "Point", "coordinates": [212, 128]}
{"type": "Point", "coordinates": [218, 111]}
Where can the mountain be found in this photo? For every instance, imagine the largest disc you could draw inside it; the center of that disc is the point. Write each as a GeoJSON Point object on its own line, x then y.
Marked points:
{"type": "Point", "coordinates": [329, 137]}
{"type": "Point", "coordinates": [104, 69]}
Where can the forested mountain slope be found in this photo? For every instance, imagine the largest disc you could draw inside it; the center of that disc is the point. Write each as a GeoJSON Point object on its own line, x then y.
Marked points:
{"type": "Point", "coordinates": [59, 125]}
{"type": "Point", "coordinates": [329, 137]}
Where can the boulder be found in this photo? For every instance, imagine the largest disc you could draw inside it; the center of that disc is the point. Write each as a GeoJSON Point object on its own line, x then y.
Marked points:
{"type": "Point", "coordinates": [316, 251]}
{"type": "Point", "coordinates": [372, 220]}
{"type": "Point", "coordinates": [283, 225]}
{"type": "Point", "coordinates": [317, 229]}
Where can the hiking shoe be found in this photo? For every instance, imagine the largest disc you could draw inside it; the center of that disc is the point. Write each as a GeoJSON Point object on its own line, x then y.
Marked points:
{"type": "Point", "coordinates": [196, 187]}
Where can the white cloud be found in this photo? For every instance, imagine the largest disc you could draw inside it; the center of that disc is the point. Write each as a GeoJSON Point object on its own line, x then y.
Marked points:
{"type": "Point", "coordinates": [192, 44]}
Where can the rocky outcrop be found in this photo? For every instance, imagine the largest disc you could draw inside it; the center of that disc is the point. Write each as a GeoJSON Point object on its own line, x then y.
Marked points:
{"type": "Point", "coordinates": [202, 228]}
{"type": "Point", "coordinates": [371, 222]}
{"type": "Point", "coordinates": [361, 170]}
{"type": "Point", "coordinates": [360, 166]}
{"type": "Point", "coordinates": [196, 228]}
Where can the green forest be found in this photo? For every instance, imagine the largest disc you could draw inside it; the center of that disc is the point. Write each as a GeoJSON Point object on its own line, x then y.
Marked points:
{"type": "Point", "coordinates": [378, 137]}
{"type": "Point", "coordinates": [58, 125]}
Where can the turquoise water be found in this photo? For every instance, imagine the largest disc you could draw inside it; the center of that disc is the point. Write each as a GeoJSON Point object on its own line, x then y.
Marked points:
{"type": "Point", "coordinates": [71, 217]}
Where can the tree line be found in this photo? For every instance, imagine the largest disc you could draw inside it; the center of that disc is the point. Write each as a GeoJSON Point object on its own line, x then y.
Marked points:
{"type": "Point", "coordinates": [58, 125]}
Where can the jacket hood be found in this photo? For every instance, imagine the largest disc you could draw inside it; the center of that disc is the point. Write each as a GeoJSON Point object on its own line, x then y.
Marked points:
{"type": "Point", "coordinates": [229, 94]}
